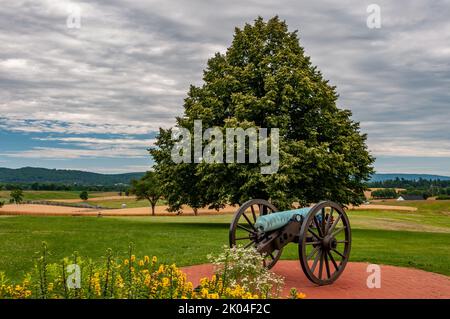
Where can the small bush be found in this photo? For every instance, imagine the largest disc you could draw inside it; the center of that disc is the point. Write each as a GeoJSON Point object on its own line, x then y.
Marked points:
{"type": "Point", "coordinates": [243, 267]}
{"type": "Point", "coordinates": [443, 197]}
{"type": "Point", "coordinates": [84, 195]}
{"type": "Point", "coordinates": [2, 203]}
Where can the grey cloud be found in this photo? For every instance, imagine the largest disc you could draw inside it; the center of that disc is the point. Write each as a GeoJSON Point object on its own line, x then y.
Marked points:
{"type": "Point", "coordinates": [129, 66]}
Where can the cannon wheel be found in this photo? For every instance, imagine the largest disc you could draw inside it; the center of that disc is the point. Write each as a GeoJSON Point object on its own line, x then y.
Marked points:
{"type": "Point", "coordinates": [243, 232]}
{"type": "Point", "coordinates": [325, 243]}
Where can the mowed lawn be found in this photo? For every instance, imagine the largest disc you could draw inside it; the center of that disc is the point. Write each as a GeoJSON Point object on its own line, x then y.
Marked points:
{"type": "Point", "coordinates": [378, 237]}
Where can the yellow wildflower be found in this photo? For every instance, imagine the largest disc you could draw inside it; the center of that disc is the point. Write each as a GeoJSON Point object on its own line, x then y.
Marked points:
{"type": "Point", "coordinates": [301, 295]}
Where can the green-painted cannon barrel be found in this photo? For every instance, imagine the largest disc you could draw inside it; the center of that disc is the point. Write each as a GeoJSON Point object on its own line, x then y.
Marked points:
{"type": "Point", "coordinates": [277, 220]}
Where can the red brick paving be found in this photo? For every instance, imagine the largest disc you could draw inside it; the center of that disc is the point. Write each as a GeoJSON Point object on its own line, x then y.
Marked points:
{"type": "Point", "coordinates": [396, 282]}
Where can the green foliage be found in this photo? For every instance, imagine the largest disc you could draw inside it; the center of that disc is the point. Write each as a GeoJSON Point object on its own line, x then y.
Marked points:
{"type": "Point", "coordinates": [443, 197]}
{"type": "Point", "coordinates": [2, 203]}
{"type": "Point", "coordinates": [265, 80]}
{"type": "Point", "coordinates": [16, 196]}
{"type": "Point", "coordinates": [148, 187]}
{"type": "Point", "coordinates": [84, 195]}
{"type": "Point", "coordinates": [385, 193]}
{"type": "Point", "coordinates": [54, 179]}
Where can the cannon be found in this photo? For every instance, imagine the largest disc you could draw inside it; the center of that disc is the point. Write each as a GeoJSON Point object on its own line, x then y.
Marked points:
{"type": "Point", "coordinates": [322, 233]}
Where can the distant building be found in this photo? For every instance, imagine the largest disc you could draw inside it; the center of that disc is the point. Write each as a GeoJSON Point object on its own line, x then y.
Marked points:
{"type": "Point", "coordinates": [410, 197]}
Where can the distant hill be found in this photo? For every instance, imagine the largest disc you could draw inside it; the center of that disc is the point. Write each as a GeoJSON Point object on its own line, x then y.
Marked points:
{"type": "Point", "coordinates": [60, 176]}
{"type": "Point", "coordinates": [411, 177]}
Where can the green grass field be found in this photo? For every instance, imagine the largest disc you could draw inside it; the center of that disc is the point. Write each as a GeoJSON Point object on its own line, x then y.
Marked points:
{"type": "Point", "coordinates": [378, 237]}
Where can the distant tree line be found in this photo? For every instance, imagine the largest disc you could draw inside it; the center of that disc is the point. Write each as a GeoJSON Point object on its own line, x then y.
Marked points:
{"type": "Point", "coordinates": [405, 183]}
{"type": "Point", "coordinates": [422, 187]}
{"type": "Point", "coordinates": [384, 193]}
{"type": "Point", "coordinates": [64, 187]}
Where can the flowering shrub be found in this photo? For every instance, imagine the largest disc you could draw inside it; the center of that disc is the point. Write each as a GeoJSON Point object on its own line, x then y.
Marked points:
{"type": "Point", "coordinates": [243, 267]}
{"type": "Point", "coordinates": [144, 278]}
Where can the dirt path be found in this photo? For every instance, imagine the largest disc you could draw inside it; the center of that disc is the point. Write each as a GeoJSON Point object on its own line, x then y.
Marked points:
{"type": "Point", "coordinates": [396, 282]}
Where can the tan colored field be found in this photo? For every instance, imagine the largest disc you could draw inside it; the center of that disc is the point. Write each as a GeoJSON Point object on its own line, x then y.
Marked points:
{"type": "Point", "coordinates": [382, 207]}
{"type": "Point", "coordinates": [29, 209]}
{"type": "Point", "coordinates": [49, 210]}
{"type": "Point", "coordinates": [95, 199]}
{"type": "Point", "coordinates": [33, 209]}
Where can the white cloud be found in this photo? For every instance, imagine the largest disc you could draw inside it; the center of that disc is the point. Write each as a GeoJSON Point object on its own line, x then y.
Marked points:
{"type": "Point", "coordinates": [68, 153]}
{"type": "Point", "coordinates": [128, 68]}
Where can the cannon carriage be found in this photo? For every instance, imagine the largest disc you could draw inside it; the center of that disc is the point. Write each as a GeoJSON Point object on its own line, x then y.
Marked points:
{"type": "Point", "coordinates": [322, 233]}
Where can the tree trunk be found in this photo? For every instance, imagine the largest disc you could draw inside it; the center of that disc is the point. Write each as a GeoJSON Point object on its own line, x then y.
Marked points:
{"type": "Point", "coordinates": [195, 211]}
{"type": "Point", "coordinates": [153, 208]}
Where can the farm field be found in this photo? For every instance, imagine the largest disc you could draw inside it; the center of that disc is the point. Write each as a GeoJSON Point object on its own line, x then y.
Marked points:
{"type": "Point", "coordinates": [418, 239]}
{"type": "Point", "coordinates": [54, 195]}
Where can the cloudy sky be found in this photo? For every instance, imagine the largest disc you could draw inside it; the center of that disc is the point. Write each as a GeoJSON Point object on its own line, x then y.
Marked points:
{"type": "Point", "coordinates": [92, 97]}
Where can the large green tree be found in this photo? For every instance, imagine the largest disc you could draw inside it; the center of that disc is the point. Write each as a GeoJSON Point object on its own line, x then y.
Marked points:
{"type": "Point", "coordinates": [264, 80]}
{"type": "Point", "coordinates": [148, 187]}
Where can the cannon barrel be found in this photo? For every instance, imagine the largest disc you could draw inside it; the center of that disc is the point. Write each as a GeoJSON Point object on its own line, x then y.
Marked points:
{"type": "Point", "coordinates": [265, 223]}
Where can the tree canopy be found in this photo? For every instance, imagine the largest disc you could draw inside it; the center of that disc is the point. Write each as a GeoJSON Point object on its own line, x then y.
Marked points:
{"type": "Point", "coordinates": [265, 80]}
{"type": "Point", "coordinates": [148, 187]}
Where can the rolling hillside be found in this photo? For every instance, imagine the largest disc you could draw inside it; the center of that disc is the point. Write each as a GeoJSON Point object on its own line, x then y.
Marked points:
{"type": "Point", "coordinates": [44, 175]}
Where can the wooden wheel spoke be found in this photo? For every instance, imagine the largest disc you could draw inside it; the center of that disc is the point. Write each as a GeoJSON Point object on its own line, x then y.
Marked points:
{"type": "Point", "coordinates": [313, 252]}
{"type": "Point", "coordinates": [245, 228]}
{"type": "Point", "coordinates": [262, 209]}
{"type": "Point", "coordinates": [333, 261]}
{"type": "Point", "coordinates": [334, 224]}
{"type": "Point", "coordinates": [312, 243]}
{"type": "Point", "coordinates": [327, 266]}
{"type": "Point", "coordinates": [323, 221]}
{"type": "Point", "coordinates": [314, 234]}
{"type": "Point", "coordinates": [249, 222]}
{"type": "Point", "coordinates": [313, 267]}
{"type": "Point", "coordinates": [253, 213]}
{"type": "Point", "coordinates": [321, 264]}
{"type": "Point", "coordinates": [243, 238]}
{"type": "Point", "coordinates": [316, 223]}
{"type": "Point", "coordinates": [249, 244]}
{"type": "Point", "coordinates": [327, 226]}
{"type": "Point", "coordinates": [338, 231]}
{"type": "Point", "coordinates": [342, 241]}
{"type": "Point", "coordinates": [339, 253]}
